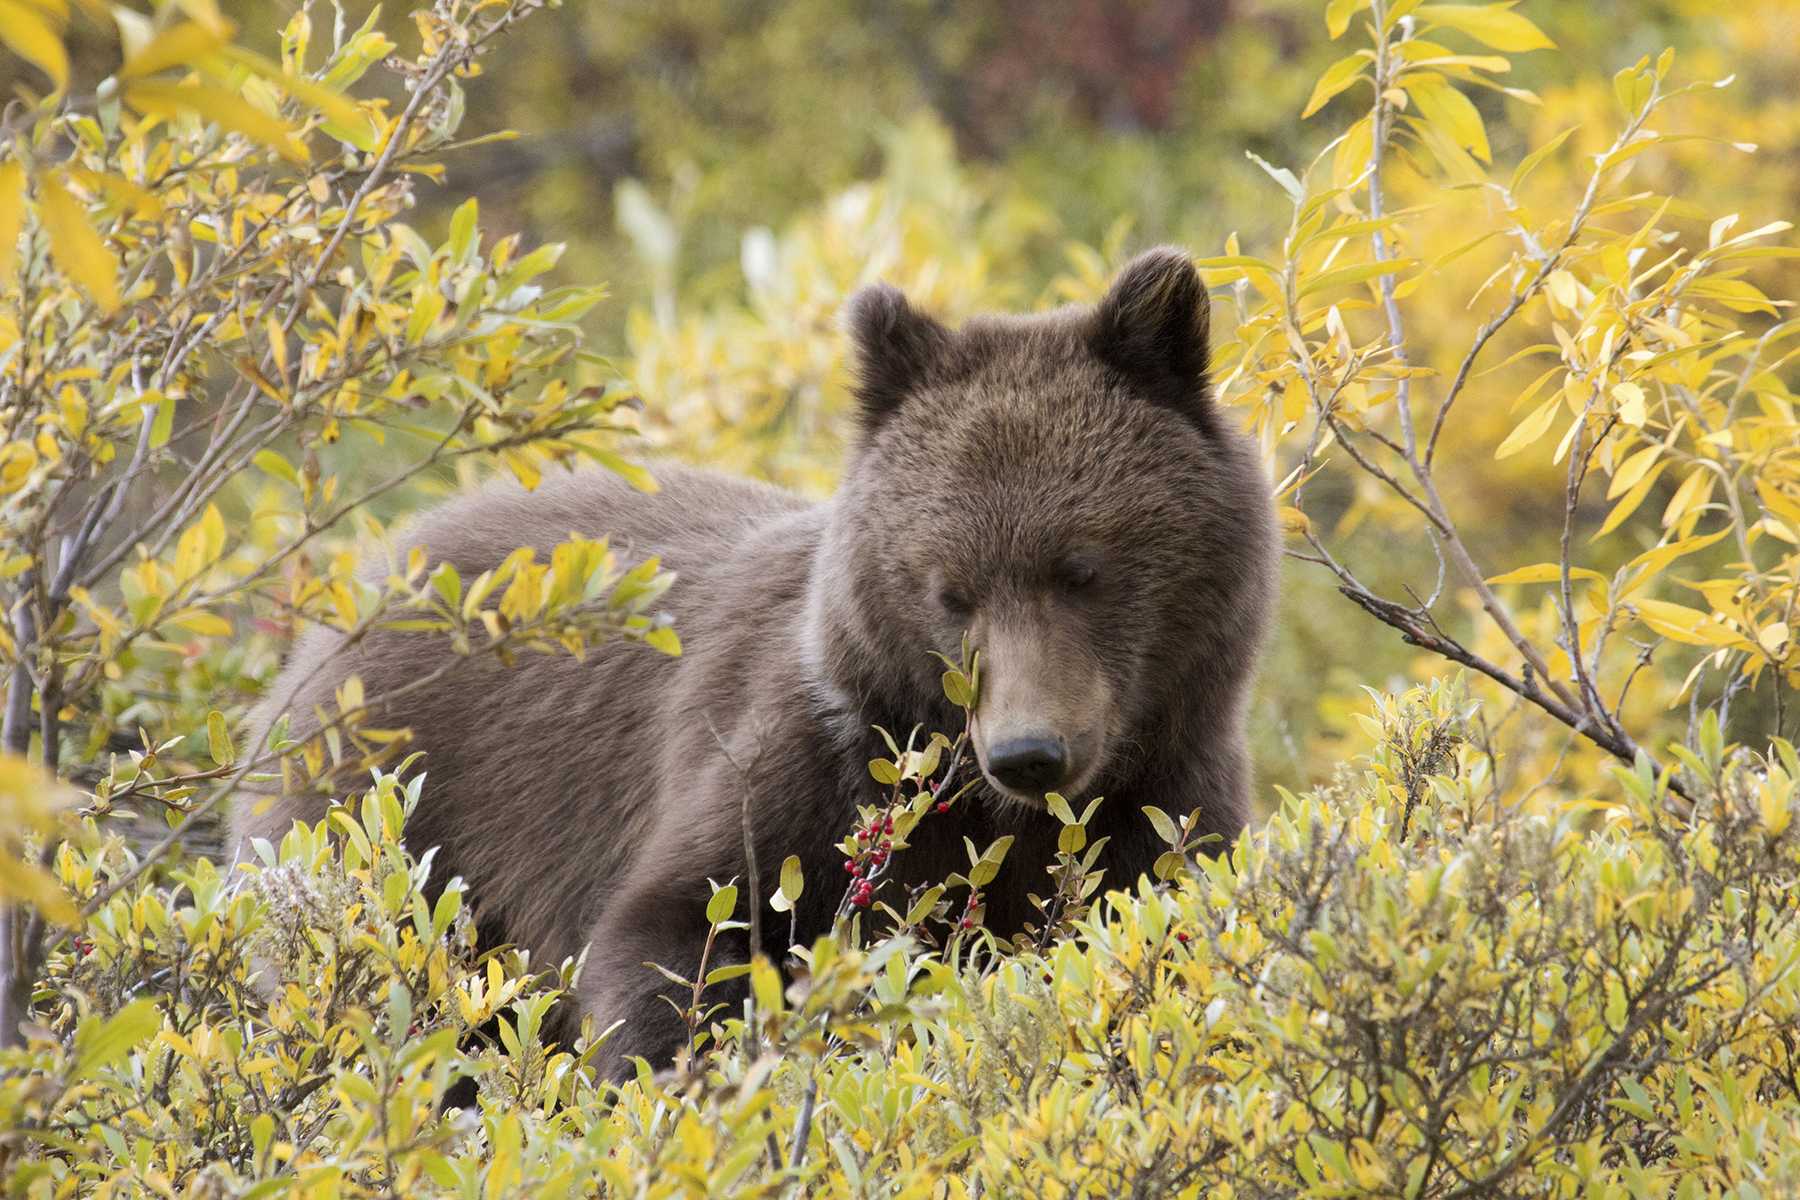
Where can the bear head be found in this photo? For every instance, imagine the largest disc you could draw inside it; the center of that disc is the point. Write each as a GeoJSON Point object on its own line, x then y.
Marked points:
{"type": "Point", "coordinates": [1060, 490]}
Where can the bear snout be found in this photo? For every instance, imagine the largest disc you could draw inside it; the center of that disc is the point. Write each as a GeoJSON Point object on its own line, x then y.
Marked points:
{"type": "Point", "coordinates": [1029, 764]}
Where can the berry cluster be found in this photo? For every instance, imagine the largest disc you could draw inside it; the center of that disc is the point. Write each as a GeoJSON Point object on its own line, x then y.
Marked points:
{"type": "Point", "coordinates": [878, 836]}
{"type": "Point", "coordinates": [968, 917]}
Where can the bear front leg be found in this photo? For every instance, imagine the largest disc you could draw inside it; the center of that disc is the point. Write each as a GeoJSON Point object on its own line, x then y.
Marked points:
{"type": "Point", "coordinates": [667, 928]}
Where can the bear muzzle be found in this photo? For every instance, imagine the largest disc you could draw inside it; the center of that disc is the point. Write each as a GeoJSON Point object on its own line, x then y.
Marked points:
{"type": "Point", "coordinates": [1044, 712]}
{"type": "Point", "coordinates": [1033, 765]}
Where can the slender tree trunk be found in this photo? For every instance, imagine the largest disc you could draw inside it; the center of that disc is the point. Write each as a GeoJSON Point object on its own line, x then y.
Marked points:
{"type": "Point", "coordinates": [15, 738]}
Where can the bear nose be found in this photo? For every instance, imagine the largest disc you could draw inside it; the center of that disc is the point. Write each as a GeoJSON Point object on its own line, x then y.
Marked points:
{"type": "Point", "coordinates": [1028, 764]}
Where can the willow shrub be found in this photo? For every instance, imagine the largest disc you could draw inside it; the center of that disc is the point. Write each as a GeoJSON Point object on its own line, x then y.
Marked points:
{"type": "Point", "coordinates": [1494, 1002]}
{"type": "Point", "coordinates": [1435, 977]}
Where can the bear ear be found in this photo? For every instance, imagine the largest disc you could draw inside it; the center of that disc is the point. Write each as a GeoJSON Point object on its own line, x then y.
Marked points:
{"type": "Point", "coordinates": [1152, 326]}
{"type": "Point", "coordinates": [897, 349]}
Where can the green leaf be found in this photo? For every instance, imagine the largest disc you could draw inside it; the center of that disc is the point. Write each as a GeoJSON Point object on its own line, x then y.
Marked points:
{"type": "Point", "coordinates": [957, 689]}
{"type": "Point", "coordinates": [1355, 274]}
{"type": "Point", "coordinates": [1281, 175]}
{"type": "Point", "coordinates": [219, 739]}
{"type": "Point", "coordinates": [1072, 839]}
{"type": "Point", "coordinates": [271, 463]}
{"type": "Point", "coordinates": [1165, 826]}
{"type": "Point", "coordinates": [164, 424]}
{"type": "Point", "coordinates": [1632, 86]}
{"type": "Point", "coordinates": [724, 973]}
{"type": "Point", "coordinates": [1059, 808]}
{"type": "Point", "coordinates": [98, 1046]}
{"type": "Point", "coordinates": [1169, 864]}
{"type": "Point", "coordinates": [792, 879]}
{"type": "Point", "coordinates": [885, 772]}
{"type": "Point", "coordinates": [722, 904]}
{"type": "Point", "coordinates": [448, 584]}
{"type": "Point", "coordinates": [918, 912]}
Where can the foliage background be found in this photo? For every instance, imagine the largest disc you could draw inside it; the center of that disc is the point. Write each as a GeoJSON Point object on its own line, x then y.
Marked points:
{"type": "Point", "coordinates": [737, 169]}
{"type": "Point", "coordinates": [1027, 148]}
{"type": "Point", "coordinates": [733, 169]}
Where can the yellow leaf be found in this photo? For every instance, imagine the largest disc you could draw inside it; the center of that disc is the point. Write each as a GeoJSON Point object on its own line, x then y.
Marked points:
{"type": "Point", "coordinates": [212, 533]}
{"type": "Point", "coordinates": [1564, 290]}
{"type": "Point", "coordinates": [523, 468]}
{"type": "Point", "coordinates": [1655, 559]}
{"type": "Point", "coordinates": [1682, 624]}
{"type": "Point", "coordinates": [23, 29]}
{"type": "Point", "coordinates": [1353, 153]}
{"type": "Point", "coordinates": [1632, 469]}
{"type": "Point", "coordinates": [1545, 573]}
{"type": "Point", "coordinates": [1491, 24]}
{"type": "Point", "coordinates": [1292, 520]}
{"type": "Point", "coordinates": [77, 249]}
{"type": "Point", "coordinates": [17, 459]}
{"type": "Point", "coordinates": [177, 46]}
{"type": "Point", "coordinates": [29, 798]}
{"type": "Point", "coordinates": [1630, 399]}
{"type": "Point", "coordinates": [1355, 274]}
{"type": "Point", "coordinates": [1625, 507]}
{"type": "Point", "coordinates": [1338, 13]}
{"type": "Point", "coordinates": [199, 621]}
{"type": "Point", "coordinates": [1693, 492]}
{"type": "Point", "coordinates": [124, 194]}
{"type": "Point", "coordinates": [12, 215]}
{"type": "Point", "coordinates": [1531, 428]}
{"type": "Point", "coordinates": [228, 109]}
{"type": "Point", "coordinates": [1450, 110]}
{"type": "Point", "coordinates": [1340, 75]}
{"type": "Point", "coordinates": [348, 122]}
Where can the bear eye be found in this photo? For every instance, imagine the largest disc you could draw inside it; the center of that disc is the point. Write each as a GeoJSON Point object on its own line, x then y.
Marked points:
{"type": "Point", "coordinates": [953, 602]}
{"type": "Point", "coordinates": [1077, 572]}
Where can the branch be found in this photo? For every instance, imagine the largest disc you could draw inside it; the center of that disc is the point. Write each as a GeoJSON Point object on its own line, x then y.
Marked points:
{"type": "Point", "coordinates": [1615, 742]}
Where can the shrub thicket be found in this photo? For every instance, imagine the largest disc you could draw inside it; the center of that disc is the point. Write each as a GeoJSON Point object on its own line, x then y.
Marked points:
{"type": "Point", "coordinates": [1483, 960]}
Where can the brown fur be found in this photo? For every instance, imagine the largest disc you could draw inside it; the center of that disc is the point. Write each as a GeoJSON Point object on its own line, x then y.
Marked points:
{"type": "Point", "coordinates": [1058, 487]}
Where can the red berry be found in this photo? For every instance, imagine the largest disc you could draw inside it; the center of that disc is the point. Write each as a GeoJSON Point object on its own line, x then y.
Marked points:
{"type": "Point", "coordinates": [1182, 938]}
{"type": "Point", "coordinates": [966, 923]}
{"type": "Point", "coordinates": [943, 806]}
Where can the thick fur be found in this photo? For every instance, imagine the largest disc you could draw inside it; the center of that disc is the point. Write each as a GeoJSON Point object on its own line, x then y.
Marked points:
{"type": "Point", "coordinates": [1058, 487]}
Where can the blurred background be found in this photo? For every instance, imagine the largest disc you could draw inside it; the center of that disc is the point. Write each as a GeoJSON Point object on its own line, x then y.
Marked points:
{"type": "Point", "coordinates": [733, 168]}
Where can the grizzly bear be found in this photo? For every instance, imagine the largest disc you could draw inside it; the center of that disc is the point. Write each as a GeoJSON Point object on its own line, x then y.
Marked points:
{"type": "Point", "coordinates": [1059, 489]}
